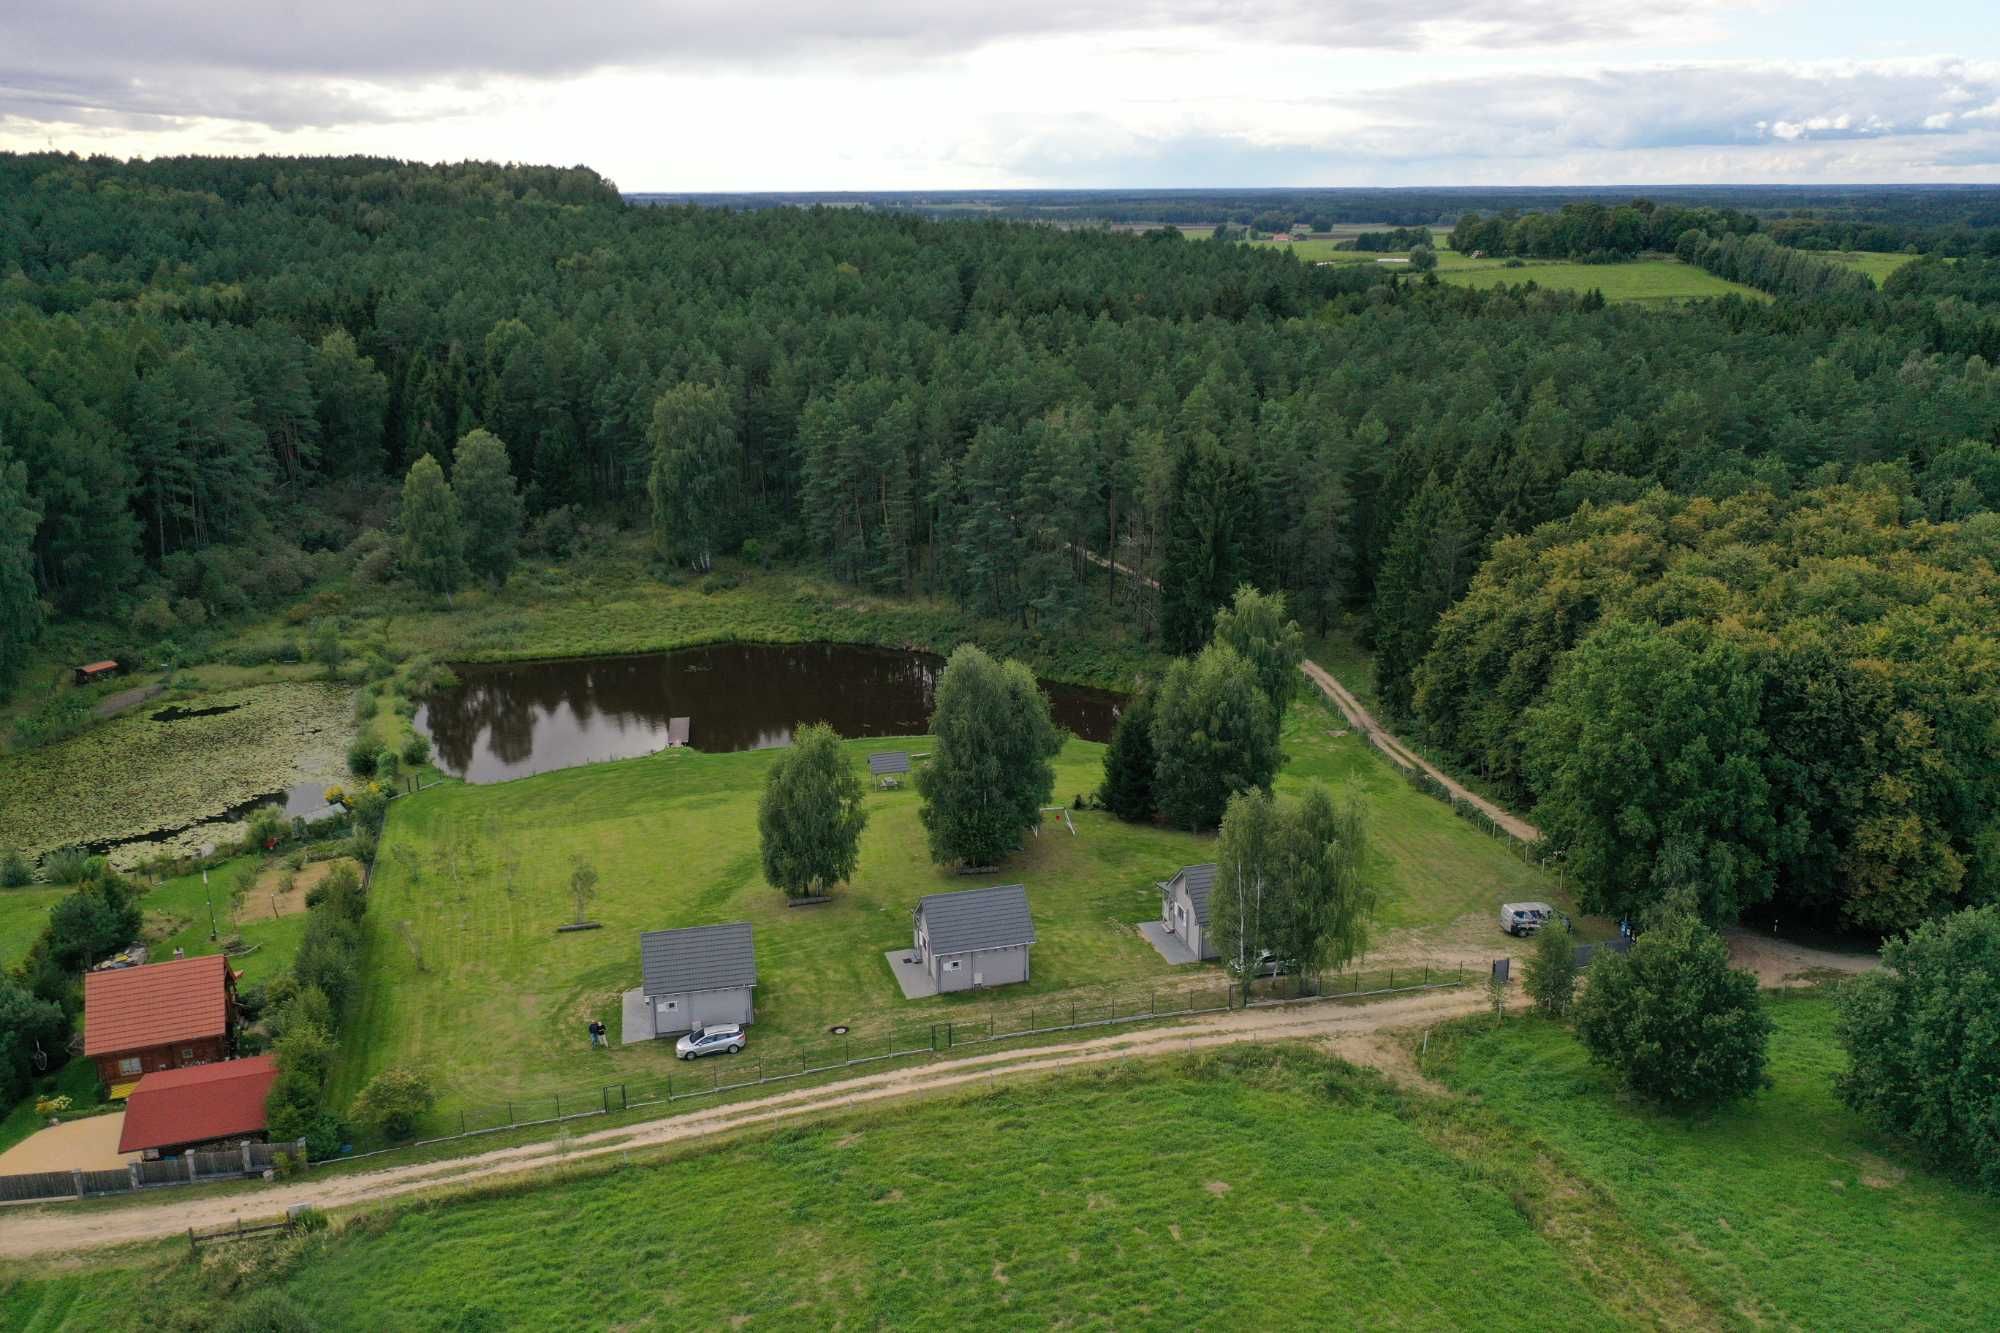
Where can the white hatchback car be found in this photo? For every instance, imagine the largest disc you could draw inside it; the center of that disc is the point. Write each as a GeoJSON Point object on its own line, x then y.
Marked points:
{"type": "Point", "coordinates": [710, 1040]}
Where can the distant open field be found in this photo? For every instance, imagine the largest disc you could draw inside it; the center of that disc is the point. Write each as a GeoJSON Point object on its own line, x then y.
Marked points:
{"type": "Point", "coordinates": [1520, 1191]}
{"type": "Point", "coordinates": [465, 977]}
{"type": "Point", "coordinates": [1655, 280]}
{"type": "Point", "coordinates": [1876, 264]}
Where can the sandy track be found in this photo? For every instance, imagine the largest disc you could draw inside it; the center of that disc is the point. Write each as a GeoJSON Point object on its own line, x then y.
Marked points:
{"type": "Point", "coordinates": [1403, 757]}
{"type": "Point", "coordinates": [63, 1228]}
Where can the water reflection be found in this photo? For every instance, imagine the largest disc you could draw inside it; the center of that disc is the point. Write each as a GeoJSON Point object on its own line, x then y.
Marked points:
{"type": "Point", "coordinates": [510, 720]}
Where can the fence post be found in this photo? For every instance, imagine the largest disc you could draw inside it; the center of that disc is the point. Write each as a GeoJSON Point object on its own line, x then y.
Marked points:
{"type": "Point", "coordinates": [133, 1168]}
{"type": "Point", "coordinates": [559, 1106]}
{"type": "Point", "coordinates": [461, 1121]}
{"type": "Point", "coordinates": [510, 1113]}
{"type": "Point", "coordinates": [607, 1100]}
{"type": "Point", "coordinates": [246, 1157]}
{"type": "Point", "coordinates": [76, 1179]}
{"type": "Point", "coordinates": [189, 1159]}
{"type": "Point", "coordinates": [1427, 974]}
{"type": "Point", "coordinates": [949, 1033]}
{"type": "Point", "coordinates": [1392, 978]}
{"type": "Point", "coordinates": [623, 1104]}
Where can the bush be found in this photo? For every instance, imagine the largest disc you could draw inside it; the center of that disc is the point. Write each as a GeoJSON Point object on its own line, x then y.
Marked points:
{"type": "Point", "coordinates": [417, 750]}
{"type": "Point", "coordinates": [386, 764]}
{"type": "Point", "coordinates": [361, 759]}
{"type": "Point", "coordinates": [268, 827]}
{"type": "Point", "coordinates": [393, 1102]}
{"type": "Point", "coordinates": [15, 870]}
{"type": "Point", "coordinates": [56, 718]}
{"type": "Point", "coordinates": [1679, 1024]}
{"type": "Point", "coordinates": [66, 865]}
{"type": "Point", "coordinates": [1923, 1061]}
{"type": "Point", "coordinates": [1550, 974]}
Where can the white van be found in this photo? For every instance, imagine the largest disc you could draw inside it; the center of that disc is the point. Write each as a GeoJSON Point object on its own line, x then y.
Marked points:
{"type": "Point", "coordinates": [1524, 918]}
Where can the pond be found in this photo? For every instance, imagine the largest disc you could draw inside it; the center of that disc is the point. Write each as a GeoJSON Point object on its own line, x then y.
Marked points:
{"type": "Point", "coordinates": [508, 720]}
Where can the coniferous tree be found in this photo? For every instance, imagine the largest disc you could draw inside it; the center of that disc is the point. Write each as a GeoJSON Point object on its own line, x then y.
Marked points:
{"type": "Point", "coordinates": [1203, 555]}
{"type": "Point", "coordinates": [433, 536]}
{"type": "Point", "coordinates": [1430, 559]}
{"type": "Point", "coordinates": [20, 605]}
{"type": "Point", "coordinates": [1129, 762]}
{"type": "Point", "coordinates": [489, 509]}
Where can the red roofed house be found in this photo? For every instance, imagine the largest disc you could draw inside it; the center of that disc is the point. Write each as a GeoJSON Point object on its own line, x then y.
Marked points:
{"type": "Point", "coordinates": [137, 1020]}
{"type": "Point", "coordinates": [178, 1109]}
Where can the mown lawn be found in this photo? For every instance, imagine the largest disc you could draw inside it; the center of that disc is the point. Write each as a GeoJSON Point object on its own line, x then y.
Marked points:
{"type": "Point", "coordinates": [23, 914]}
{"type": "Point", "coordinates": [1787, 1211]}
{"type": "Point", "coordinates": [1877, 264]}
{"type": "Point", "coordinates": [177, 916]}
{"type": "Point", "coordinates": [469, 980]}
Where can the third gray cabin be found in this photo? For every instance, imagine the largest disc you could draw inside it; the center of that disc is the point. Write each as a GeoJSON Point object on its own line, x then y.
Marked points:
{"type": "Point", "coordinates": [978, 937]}
{"type": "Point", "coordinates": [1184, 907]}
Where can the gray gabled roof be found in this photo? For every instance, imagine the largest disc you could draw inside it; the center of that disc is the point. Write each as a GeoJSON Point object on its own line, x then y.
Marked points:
{"type": "Point", "coordinates": [1199, 880]}
{"type": "Point", "coordinates": [992, 918]}
{"type": "Point", "coordinates": [889, 761]}
{"type": "Point", "coordinates": [697, 958]}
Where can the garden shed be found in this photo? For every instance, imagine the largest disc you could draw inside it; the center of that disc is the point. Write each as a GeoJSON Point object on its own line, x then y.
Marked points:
{"type": "Point", "coordinates": [976, 937]}
{"type": "Point", "coordinates": [202, 1107]}
{"type": "Point", "coordinates": [698, 975]}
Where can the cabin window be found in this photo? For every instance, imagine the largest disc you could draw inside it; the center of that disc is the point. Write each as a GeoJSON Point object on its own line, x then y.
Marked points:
{"type": "Point", "coordinates": [187, 1052]}
{"type": "Point", "coordinates": [952, 965]}
{"type": "Point", "coordinates": [129, 1065]}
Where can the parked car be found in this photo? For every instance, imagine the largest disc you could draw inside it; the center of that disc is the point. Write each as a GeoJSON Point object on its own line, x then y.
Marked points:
{"type": "Point", "coordinates": [708, 1041]}
{"type": "Point", "coordinates": [1525, 918]}
{"type": "Point", "coordinates": [1268, 964]}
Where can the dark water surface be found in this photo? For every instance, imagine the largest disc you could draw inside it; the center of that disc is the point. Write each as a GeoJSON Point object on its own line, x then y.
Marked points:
{"type": "Point", "coordinates": [507, 720]}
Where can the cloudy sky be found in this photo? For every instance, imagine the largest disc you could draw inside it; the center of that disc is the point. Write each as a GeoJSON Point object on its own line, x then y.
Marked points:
{"type": "Point", "coordinates": [937, 94]}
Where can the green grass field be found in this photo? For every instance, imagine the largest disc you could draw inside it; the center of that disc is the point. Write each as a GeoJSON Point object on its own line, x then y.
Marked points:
{"type": "Point", "coordinates": [1268, 1184]}
{"type": "Point", "coordinates": [1785, 1212]}
{"type": "Point", "coordinates": [23, 913]}
{"type": "Point", "coordinates": [1643, 280]}
{"type": "Point", "coordinates": [1877, 264]}
{"type": "Point", "coordinates": [470, 981]}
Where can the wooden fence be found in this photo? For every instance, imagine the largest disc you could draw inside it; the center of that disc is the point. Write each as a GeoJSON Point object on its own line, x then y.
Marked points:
{"type": "Point", "coordinates": [248, 1159]}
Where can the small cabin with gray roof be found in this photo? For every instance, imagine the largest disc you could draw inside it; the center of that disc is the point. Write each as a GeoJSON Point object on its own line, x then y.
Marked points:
{"type": "Point", "coordinates": [975, 938]}
{"type": "Point", "coordinates": [1184, 907]}
{"type": "Point", "coordinates": [698, 975]}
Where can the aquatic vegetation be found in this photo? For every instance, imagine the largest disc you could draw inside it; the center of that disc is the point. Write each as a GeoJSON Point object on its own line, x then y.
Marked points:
{"type": "Point", "coordinates": [135, 777]}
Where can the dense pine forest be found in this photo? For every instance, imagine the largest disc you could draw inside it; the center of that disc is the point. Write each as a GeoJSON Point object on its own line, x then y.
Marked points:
{"type": "Point", "coordinates": [1733, 561]}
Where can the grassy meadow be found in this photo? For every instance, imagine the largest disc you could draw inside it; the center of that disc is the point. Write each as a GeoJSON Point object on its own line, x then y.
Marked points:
{"type": "Point", "coordinates": [466, 977]}
{"type": "Point", "coordinates": [1522, 1193]}
{"type": "Point", "coordinates": [1877, 264]}
{"type": "Point", "coordinates": [1641, 280]}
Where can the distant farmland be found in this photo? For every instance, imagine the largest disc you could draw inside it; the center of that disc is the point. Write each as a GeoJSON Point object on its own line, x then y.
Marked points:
{"type": "Point", "coordinates": [1638, 280]}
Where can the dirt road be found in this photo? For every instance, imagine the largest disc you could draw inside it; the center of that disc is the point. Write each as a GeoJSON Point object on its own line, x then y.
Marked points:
{"type": "Point", "coordinates": [1351, 1029]}
{"type": "Point", "coordinates": [1361, 720]}
{"type": "Point", "coordinates": [1402, 756]}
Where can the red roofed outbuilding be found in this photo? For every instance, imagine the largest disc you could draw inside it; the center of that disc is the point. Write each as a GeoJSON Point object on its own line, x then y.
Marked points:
{"type": "Point", "coordinates": [139, 1020]}
{"type": "Point", "coordinates": [178, 1109]}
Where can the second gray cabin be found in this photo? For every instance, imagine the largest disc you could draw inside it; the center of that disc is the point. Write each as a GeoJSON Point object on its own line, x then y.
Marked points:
{"type": "Point", "coordinates": [975, 938]}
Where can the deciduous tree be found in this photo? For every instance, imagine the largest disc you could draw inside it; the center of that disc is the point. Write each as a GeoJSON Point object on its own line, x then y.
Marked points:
{"type": "Point", "coordinates": [1673, 1018]}
{"type": "Point", "coordinates": [490, 510]}
{"type": "Point", "coordinates": [1212, 737]}
{"type": "Point", "coordinates": [810, 819]}
{"type": "Point", "coordinates": [989, 775]}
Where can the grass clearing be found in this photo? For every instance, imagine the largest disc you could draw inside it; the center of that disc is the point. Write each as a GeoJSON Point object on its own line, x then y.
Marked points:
{"type": "Point", "coordinates": [497, 1009]}
{"type": "Point", "coordinates": [1784, 1211]}
{"type": "Point", "coordinates": [23, 914]}
{"type": "Point", "coordinates": [1644, 280]}
{"type": "Point", "coordinates": [1877, 264]}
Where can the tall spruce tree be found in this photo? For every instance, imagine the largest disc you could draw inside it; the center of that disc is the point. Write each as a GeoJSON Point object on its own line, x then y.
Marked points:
{"type": "Point", "coordinates": [1129, 761]}
{"type": "Point", "coordinates": [1203, 552]}
{"type": "Point", "coordinates": [433, 538]}
{"type": "Point", "coordinates": [1430, 560]}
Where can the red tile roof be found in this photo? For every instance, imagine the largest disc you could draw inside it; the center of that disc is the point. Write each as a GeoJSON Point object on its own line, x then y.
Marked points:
{"type": "Point", "coordinates": [106, 665]}
{"type": "Point", "coordinates": [197, 1104]}
{"type": "Point", "coordinates": [136, 1008]}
